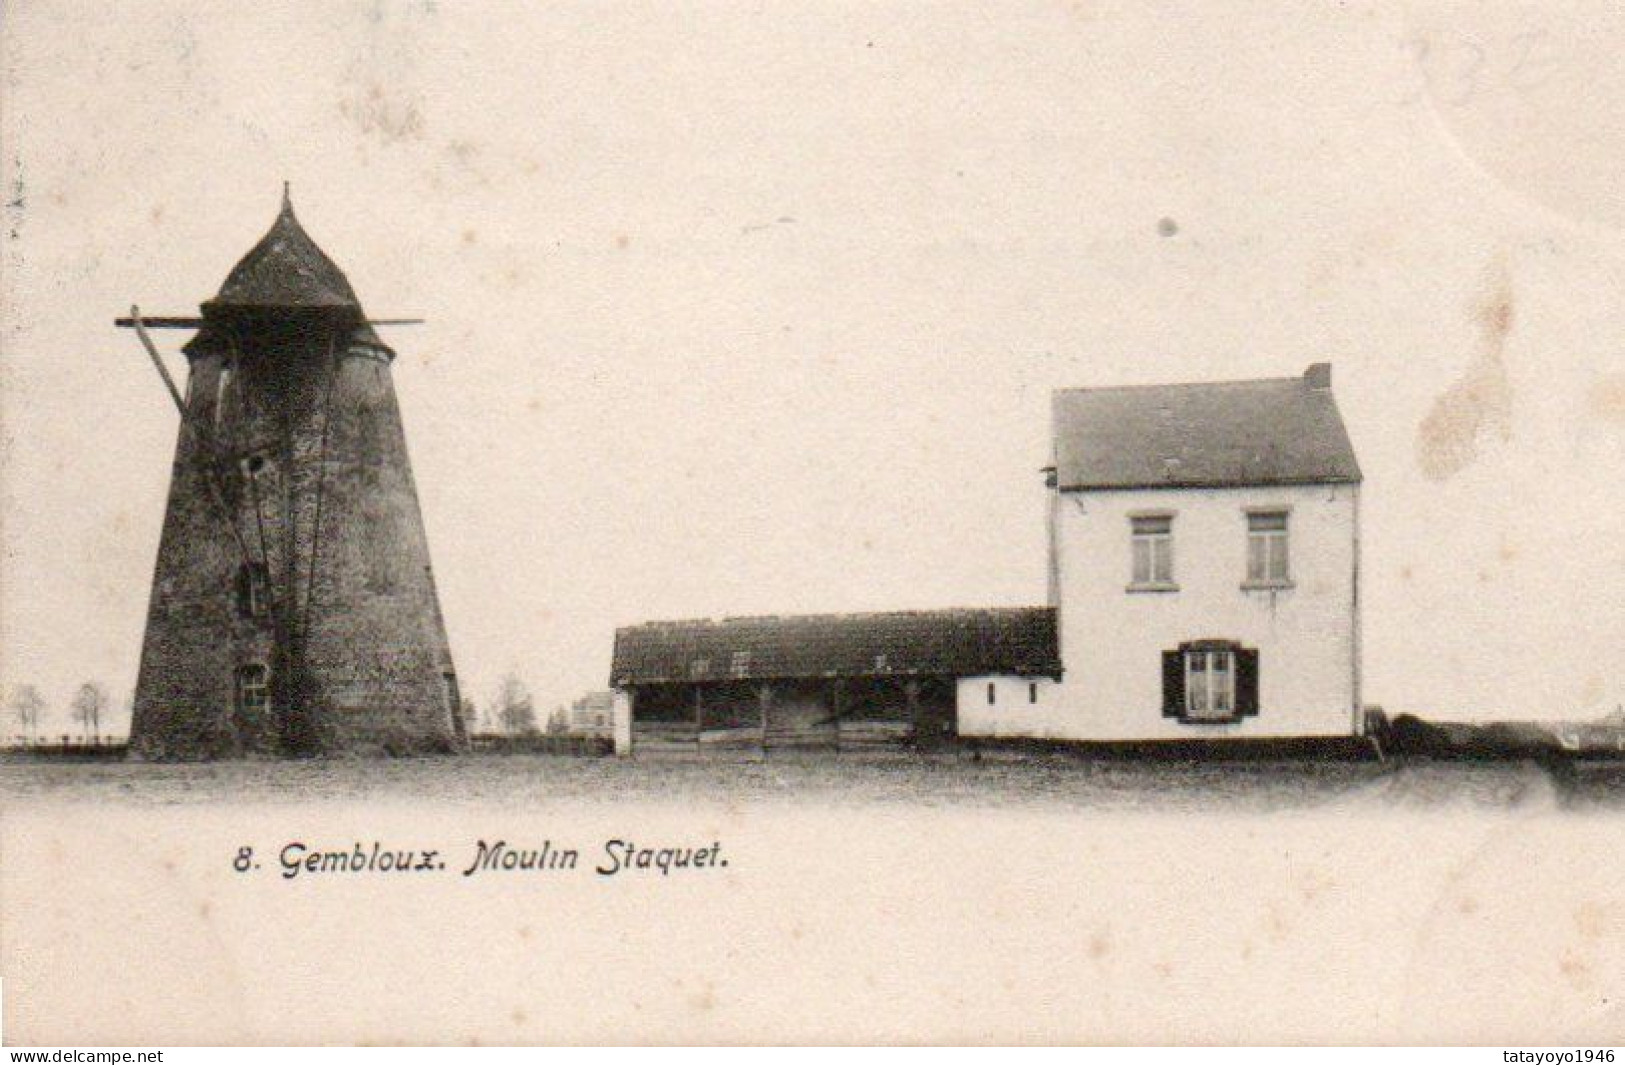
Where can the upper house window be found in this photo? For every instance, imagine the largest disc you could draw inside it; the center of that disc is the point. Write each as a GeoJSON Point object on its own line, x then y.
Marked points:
{"type": "Point", "coordinates": [739, 664]}
{"type": "Point", "coordinates": [1153, 537]}
{"type": "Point", "coordinates": [1267, 553]}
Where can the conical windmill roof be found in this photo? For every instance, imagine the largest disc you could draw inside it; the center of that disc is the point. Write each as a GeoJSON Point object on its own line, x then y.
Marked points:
{"type": "Point", "coordinates": [286, 271]}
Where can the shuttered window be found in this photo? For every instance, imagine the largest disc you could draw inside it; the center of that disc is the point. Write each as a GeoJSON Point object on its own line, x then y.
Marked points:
{"type": "Point", "coordinates": [1211, 681]}
{"type": "Point", "coordinates": [1210, 684]}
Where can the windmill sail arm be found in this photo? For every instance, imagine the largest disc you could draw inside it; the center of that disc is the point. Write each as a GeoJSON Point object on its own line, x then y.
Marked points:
{"type": "Point", "coordinates": [139, 324]}
{"type": "Point", "coordinates": [174, 322]}
{"type": "Point", "coordinates": [207, 452]}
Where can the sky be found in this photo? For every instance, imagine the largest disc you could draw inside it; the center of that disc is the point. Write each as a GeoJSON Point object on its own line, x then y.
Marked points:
{"type": "Point", "coordinates": [740, 308]}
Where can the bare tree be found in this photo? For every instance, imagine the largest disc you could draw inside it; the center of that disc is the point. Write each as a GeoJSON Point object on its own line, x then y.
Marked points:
{"type": "Point", "coordinates": [87, 707]}
{"type": "Point", "coordinates": [514, 707]}
{"type": "Point", "coordinates": [27, 708]}
{"type": "Point", "coordinates": [471, 716]}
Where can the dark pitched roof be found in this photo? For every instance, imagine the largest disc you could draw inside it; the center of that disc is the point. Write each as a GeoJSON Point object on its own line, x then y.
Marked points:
{"type": "Point", "coordinates": [286, 270]}
{"type": "Point", "coordinates": [1276, 431]}
{"type": "Point", "coordinates": [1019, 641]}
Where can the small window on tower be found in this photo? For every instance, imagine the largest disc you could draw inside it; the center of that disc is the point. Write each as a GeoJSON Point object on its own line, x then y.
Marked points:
{"type": "Point", "coordinates": [254, 688]}
{"type": "Point", "coordinates": [253, 590]}
{"type": "Point", "coordinates": [256, 468]}
{"type": "Point", "coordinates": [221, 386]}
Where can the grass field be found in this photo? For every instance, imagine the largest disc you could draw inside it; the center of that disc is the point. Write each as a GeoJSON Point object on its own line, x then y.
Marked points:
{"type": "Point", "coordinates": [944, 782]}
{"type": "Point", "coordinates": [1049, 897]}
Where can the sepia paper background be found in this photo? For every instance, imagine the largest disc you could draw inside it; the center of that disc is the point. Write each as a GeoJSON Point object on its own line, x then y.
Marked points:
{"type": "Point", "coordinates": [756, 308]}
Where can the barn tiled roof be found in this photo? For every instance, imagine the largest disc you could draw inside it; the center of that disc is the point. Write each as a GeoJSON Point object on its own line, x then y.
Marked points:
{"type": "Point", "coordinates": [1275, 431]}
{"type": "Point", "coordinates": [1020, 641]}
{"type": "Point", "coordinates": [286, 270]}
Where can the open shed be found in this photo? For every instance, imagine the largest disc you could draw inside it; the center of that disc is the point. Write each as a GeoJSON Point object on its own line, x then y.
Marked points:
{"type": "Point", "coordinates": [841, 681]}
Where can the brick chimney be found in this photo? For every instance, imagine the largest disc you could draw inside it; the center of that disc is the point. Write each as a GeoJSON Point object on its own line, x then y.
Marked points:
{"type": "Point", "coordinates": [1319, 376]}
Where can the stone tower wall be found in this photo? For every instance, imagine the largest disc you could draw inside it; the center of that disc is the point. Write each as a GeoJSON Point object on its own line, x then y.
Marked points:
{"type": "Point", "coordinates": [374, 645]}
{"type": "Point", "coordinates": [313, 468]}
{"type": "Point", "coordinates": [196, 635]}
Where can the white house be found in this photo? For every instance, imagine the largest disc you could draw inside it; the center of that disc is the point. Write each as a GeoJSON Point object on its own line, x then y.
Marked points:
{"type": "Point", "coordinates": [1204, 551]}
{"type": "Point", "coordinates": [1204, 567]}
{"type": "Point", "coordinates": [592, 715]}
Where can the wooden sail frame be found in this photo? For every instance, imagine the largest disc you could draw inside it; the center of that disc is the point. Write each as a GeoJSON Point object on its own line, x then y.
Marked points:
{"type": "Point", "coordinates": [174, 322]}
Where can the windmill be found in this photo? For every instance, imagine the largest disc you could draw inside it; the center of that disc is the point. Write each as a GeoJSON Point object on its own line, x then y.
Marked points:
{"type": "Point", "coordinates": [293, 608]}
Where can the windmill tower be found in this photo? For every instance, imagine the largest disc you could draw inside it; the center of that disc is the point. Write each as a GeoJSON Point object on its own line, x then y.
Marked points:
{"type": "Point", "coordinates": [293, 609]}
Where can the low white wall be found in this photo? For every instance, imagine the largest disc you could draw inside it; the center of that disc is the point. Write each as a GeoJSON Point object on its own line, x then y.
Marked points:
{"type": "Point", "coordinates": [621, 718]}
{"type": "Point", "coordinates": [1013, 712]}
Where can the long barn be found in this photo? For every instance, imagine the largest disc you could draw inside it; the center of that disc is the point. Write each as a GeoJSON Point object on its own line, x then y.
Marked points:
{"type": "Point", "coordinates": [831, 681]}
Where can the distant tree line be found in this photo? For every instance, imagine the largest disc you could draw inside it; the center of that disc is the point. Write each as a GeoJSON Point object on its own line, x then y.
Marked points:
{"type": "Point", "coordinates": [511, 710]}
{"type": "Point", "coordinates": [28, 714]}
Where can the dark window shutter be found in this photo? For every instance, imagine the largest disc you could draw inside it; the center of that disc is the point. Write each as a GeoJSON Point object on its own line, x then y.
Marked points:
{"type": "Point", "coordinates": [1246, 683]}
{"type": "Point", "coordinates": [1173, 684]}
{"type": "Point", "coordinates": [243, 577]}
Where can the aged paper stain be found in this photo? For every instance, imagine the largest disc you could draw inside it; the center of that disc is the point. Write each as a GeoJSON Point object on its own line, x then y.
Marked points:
{"type": "Point", "coordinates": [1606, 399]}
{"type": "Point", "coordinates": [1480, 403]}
{"type": "Point", "coordinates": [382, 96]}
{"type": "Point", "coordinates": [387, 115]}
{"type": "Point", "coordinates": [1595, 920]}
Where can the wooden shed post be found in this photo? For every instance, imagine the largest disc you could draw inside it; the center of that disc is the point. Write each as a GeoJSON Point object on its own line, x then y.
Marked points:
{"type": "Point", "coordinates": [699, 715]}
{"type": "Point", "coordinates": [837, 698]}
{"type": "Point", "coordinates": [911, 692]}
{"type": "Point", "coordinates": [764, 696]}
